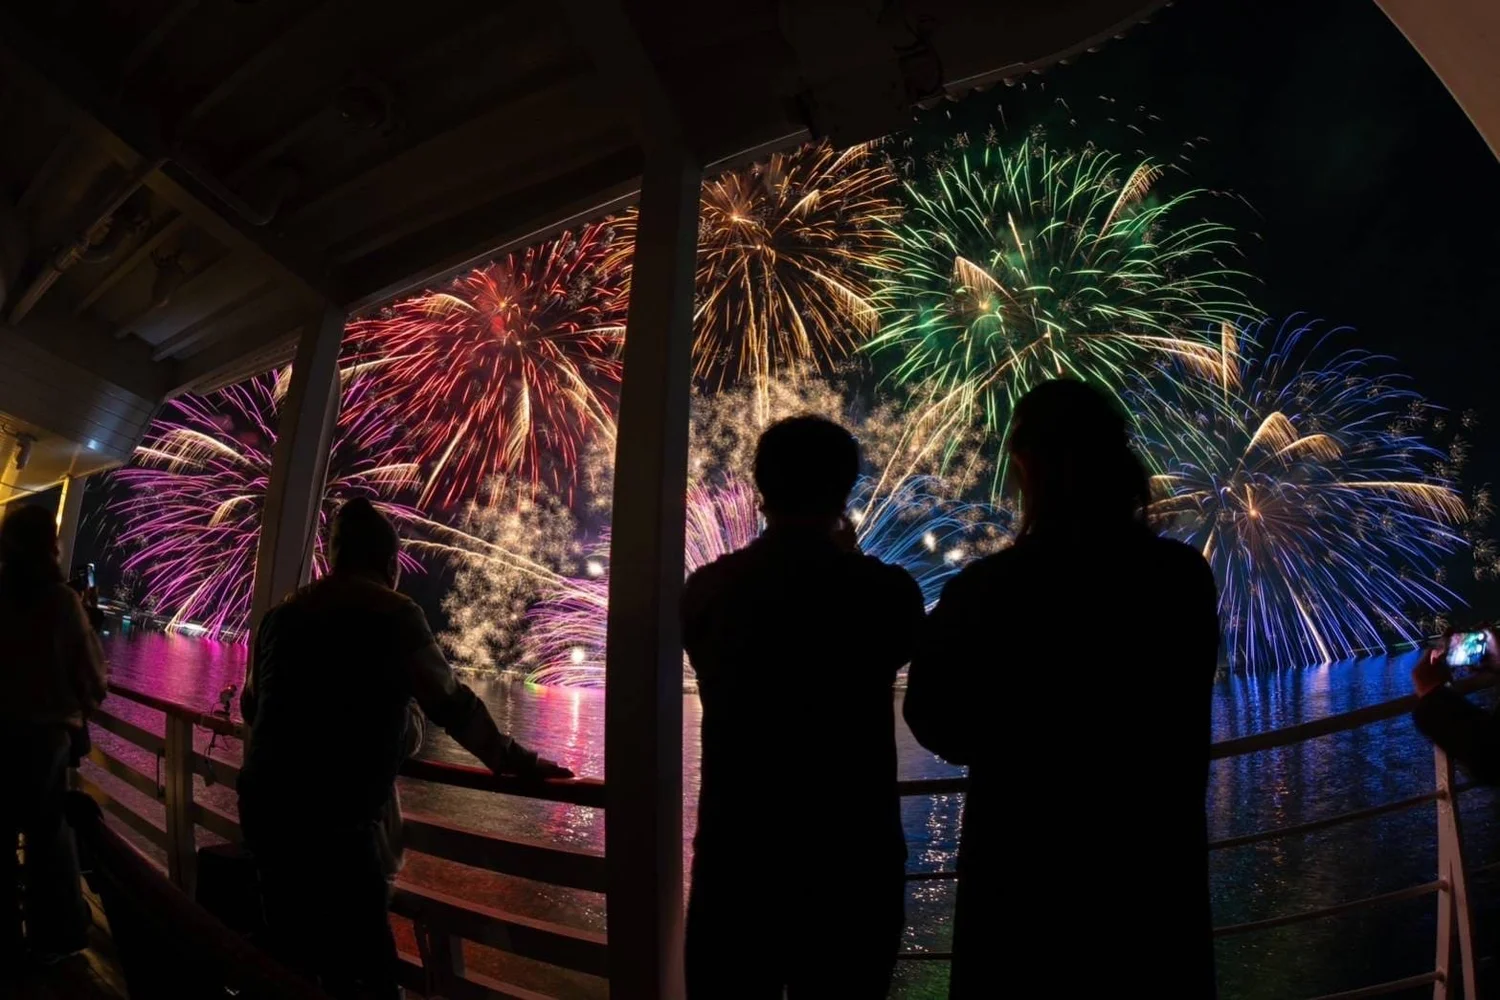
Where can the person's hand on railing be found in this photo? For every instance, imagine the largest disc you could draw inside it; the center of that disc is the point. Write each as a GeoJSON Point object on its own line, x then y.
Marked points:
{"type": "Point", "coordinates": [517, 761]}
{"type": "Point", "coordinates": [545, 770]}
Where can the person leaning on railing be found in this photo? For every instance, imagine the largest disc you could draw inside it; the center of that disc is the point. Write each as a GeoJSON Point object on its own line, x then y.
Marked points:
{"type": "Point", "coordinates": [51, 677]}
{"type": "Point", "coordinates": [1072, 673]}
{"type": "Point", "coordinates": [336, 667]}
{"type": "Point", "coordinates": [1466, 732]}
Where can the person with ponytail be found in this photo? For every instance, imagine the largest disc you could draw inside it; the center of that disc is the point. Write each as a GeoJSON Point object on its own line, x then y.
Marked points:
{"type": "Point", "coordinates": [1072, 673]}
{"type": "Point", "coordinates": [51, 677]}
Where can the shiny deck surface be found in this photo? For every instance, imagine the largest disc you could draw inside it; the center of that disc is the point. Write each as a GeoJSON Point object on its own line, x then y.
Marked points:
{"type": "Point", "coordinates": [91, 975]}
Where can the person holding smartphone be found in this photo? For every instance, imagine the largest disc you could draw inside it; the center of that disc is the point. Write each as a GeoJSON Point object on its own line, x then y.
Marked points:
{"type": "Point", "coordinates": [801, 604]}
{"type": "Point", "coordinates": [335, 669]}
{"type": "Point", "coordinates": [1466, 732]}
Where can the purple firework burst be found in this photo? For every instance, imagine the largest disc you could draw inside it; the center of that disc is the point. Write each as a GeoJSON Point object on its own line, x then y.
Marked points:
{"type": "Point", "coordinates": [190, 503]}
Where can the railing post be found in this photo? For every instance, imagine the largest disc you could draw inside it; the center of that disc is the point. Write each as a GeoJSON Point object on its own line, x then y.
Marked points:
{"type": "Point", "coordinates": [643, 698]}
{"type": "Point", "coordinates": [1454, 914]}
{"type": "Point", "coordinates": [442, 958]}
{"type": "Point", "coordinates": [182, 849]}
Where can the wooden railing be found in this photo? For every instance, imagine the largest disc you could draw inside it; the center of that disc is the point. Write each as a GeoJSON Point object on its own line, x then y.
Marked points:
{"type": "Point", "coordinates": [442, 923]}
{"type": "Point", "coordinates": [1455, 923]}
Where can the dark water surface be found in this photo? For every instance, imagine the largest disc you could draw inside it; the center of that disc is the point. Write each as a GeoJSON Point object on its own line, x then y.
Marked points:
{"type": "Point", "coordinates": [1319, 778]}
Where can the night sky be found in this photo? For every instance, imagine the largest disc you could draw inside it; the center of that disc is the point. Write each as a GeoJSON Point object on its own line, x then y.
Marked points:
{"type": "Point", "coordinates": [1361, 191]}
{"type": "Point", "coordinates": [1370, 198]}
{"type": "Point", "coordinates": [1363, 194]}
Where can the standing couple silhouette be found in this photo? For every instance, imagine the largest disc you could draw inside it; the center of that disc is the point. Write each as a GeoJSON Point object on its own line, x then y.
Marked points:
{"type": "Point", "coordinates": [1070, 673]}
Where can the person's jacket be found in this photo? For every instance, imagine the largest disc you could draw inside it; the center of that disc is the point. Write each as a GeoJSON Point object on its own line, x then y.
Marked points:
{"type": "Point", "coordinates": [766, 629]}
{"type": "Point", "coordinates": [1072, 675]}
{"type": "Point", "coordinates": [52, 670]}
{"type": "Point", "coordinates": [336, 668]}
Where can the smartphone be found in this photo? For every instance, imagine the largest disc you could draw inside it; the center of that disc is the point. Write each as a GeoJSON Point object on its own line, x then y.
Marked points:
{"type": "Point", "coordinates": [83, 577]}
{"type": "Point", "coordinates": [1467, 649]}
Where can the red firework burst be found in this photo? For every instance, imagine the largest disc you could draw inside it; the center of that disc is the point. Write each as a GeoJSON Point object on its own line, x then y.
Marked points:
{"type": "Point", "coordinates": [508, 370]}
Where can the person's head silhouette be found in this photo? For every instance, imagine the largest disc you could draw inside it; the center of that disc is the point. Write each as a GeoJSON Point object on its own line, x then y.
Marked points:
{"type": "Point", "coordinates": [29, 534]}
{"type": "Point", "coordinates": [28, 552]}
{"type": "Point", "coordinates": [364, 541]}
{"type": "Point", "coordinates": [1071, 446]}
{"type": "Point", "coordinates": [804, 469]}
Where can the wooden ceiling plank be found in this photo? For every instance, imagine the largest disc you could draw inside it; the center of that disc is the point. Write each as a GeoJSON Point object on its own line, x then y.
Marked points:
{"type": "Point", "coordinates": [222, 281]}
{"type": "Point", "coordinates": [529, 95]}
{"type": "Point", "coordinates": [517, 218]}
{"type": "Point", "coordinates": [59, 155]}
{"type": "Point", "coordinates": [467, 192]}
{"type": "Point", "coordinates": [133, 136]}
{"type": "Point", "coordinates": [215, 323]}
{"type": "Point", "coordinates": [258, 61]}
{"type": "Point", "coordinates": [253, 350]}
{"type": "Point", "coordinates": [152, 40]}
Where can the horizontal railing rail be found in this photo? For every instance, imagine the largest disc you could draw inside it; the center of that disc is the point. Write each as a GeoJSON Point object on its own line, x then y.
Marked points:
{"type": "Point", "coordinates": [1455, 924]}
{"type": "Point", "coordinates": [1271, 739]}
{"type": "Point", "coordinates": [441, 923]}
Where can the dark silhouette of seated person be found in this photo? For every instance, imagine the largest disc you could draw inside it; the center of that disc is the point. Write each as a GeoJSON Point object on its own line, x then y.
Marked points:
{"type": "Point", "coordinates": [336, 667]}
{"type": "Point", "coordinates": [1072, 674]}
{"type": "Point", "coordinates": [796, 640]}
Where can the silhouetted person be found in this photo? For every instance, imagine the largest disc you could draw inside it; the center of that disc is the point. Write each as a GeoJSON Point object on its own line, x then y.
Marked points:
{"type": "Point", "coordinates": [1072, 674]}
{"type": "Point", "coordinates": [1467, 733]}
{"type": "Point", "coordinates": [796, 640]}
{"type": "Point", "coordinates": [336, 666]}
{"type": "Point", "coordinates": [51, 678]}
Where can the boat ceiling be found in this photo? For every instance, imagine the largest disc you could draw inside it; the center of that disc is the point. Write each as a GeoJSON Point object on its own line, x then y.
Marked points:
{"type": "Point", "coordinates": [188, 183]}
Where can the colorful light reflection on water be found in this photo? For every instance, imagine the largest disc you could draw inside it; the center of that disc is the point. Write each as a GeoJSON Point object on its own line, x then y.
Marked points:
{"type": "Point", "coordinates": [1320, 778]}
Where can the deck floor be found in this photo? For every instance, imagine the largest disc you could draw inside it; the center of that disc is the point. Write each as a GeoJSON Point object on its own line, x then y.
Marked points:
{"type": "Point", "coordinates": [92, 975]}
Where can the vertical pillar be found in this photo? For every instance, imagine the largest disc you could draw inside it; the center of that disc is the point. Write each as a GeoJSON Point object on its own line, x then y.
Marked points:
{"type": "Point", "coordinates": [299, 466]}
{"type": "Point", "coordinates": [69, 505]}
{"type": "Point", "coordinates": [182, 849]}
{"type": "Point", "coordinates": [643, 697]}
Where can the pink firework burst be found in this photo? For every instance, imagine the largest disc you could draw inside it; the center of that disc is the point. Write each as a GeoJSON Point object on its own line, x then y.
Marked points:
{"type": "Point", "coordinates": [564, 640]}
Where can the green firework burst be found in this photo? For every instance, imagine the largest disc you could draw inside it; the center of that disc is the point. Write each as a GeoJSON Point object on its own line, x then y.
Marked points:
{"type": "Point", "coordinates": [1018, 264]}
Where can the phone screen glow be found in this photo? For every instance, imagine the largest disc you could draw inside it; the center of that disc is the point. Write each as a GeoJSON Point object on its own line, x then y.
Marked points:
{"type": "Point", "coordinates": [1467, 649]}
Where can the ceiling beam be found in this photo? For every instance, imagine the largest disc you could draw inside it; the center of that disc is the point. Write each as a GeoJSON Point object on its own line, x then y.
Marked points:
{"type": "Point", "coordinates": [416, 142]}
{"type": "Point", "coordinates": [163, 231]}
{"type": "Point", "coordinates": [256, 349]}
{"type": "Point", "coordinates": [152, 40]}
{"type": "Point", "coordinates": [624, 68]}
{"type": "Point", "coordinates": [515, 219]}
{"type": "Point", "coordinates": [133, 135]}
{"type": "Point", "coordinates": [216, 324]}
{"type": "Point", "coordinates": [310, 16]}
{"type": "Point", "coordinates": [85, 343]}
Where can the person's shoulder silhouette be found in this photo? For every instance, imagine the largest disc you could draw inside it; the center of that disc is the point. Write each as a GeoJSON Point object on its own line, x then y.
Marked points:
{"type": "Point", "coordinates": [805, 573]}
